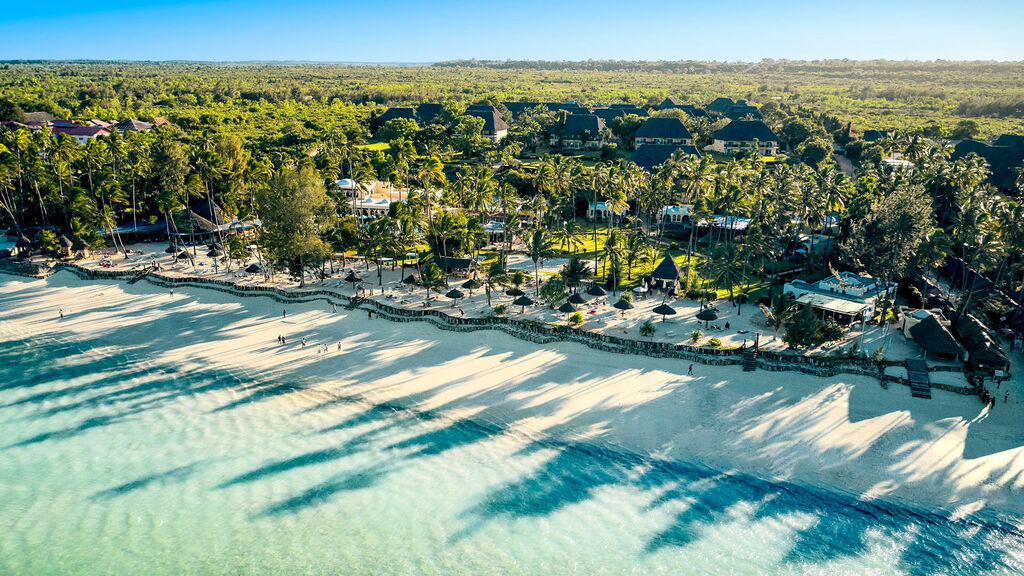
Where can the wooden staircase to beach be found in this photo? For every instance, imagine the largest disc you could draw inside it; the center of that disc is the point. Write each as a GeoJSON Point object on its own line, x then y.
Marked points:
{"type": "Point", "coordinates": [750, 359]}
{"type": "Point", "coordinates": [917, 373]}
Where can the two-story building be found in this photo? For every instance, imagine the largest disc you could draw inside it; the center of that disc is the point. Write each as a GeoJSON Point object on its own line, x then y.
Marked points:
{"type": "Point", "coordinates": [580, 132]}
{"type": "Point", "coordinates": [495, 128]}
{"type": "Point", "coordinates": [740, 135]}
{"type": "Point", "coordinates": [663, 131]}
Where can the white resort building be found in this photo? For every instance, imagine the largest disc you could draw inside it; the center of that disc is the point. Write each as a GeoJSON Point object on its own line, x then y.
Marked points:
{"type": "Point", "coordinates": [845, 296]}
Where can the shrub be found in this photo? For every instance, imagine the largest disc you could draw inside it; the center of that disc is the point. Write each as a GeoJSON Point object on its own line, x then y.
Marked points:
{"type": "Point", "coordinates": [714, 342]}
{"type": "Point", "coordinates": [646, 329]}
{"type": "Point", "coordinates": [627, 296]}
{"type": "Point", "coordinates": [830, 331]}
{"type": "Point", "coordinates": [500, 309]}
{"type": "Point", "coordinates": [576, 318]}
{"type": "Point", "coordinates": [695, 335]}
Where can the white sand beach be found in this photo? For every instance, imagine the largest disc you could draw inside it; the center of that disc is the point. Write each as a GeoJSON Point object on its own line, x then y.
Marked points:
{"type": "Point", "coordinates": [845, 433]}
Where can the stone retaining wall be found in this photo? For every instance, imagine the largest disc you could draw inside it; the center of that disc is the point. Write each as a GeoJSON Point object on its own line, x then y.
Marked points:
{"type": "Point", "coordinates": [531, 331]}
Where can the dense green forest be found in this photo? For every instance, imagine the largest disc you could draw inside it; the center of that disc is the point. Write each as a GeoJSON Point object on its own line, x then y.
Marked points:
{"type": "Point", "coordinates": [270, 142]}
{"type": "Point", "coordinates": [278, 100]}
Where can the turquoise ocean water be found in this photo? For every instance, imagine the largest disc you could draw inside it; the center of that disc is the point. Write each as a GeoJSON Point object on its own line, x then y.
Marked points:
{"type": "Point", "coordinates": [116, 464]}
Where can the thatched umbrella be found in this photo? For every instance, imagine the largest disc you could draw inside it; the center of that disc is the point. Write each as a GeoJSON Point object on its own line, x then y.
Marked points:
{"type": "Point", "coordinates": [514, 292]}
{"type": "Point", "coordinates": [170, 250]}
{"type": "Point", "coordinates": [214, 253]}
{"type": "Point", "coordinates": [577, 299]}
{"type": "Point", "coordinates": [253, 268]}
{"type": "Point", "coordinates": [184, 255]}
{"type": "Point", "coordinates": [65, 244]}
{"type": "Point", "coordinates": [471, 284]}
{"type": "Point", "coordinates": [665, 310]}
{"type": "Point", "coordinates": [523, 301]}
{"type": "Point", "coordinates": [353, 278]}
{"type": "Point", "coordinates": [623, 305]}
{"type": "Point", "coordinates": [707, 315]}
{"type": "Point", "coordinates": [568, 308]}
{"type": "Point", "coordinates": [596, 290]}
{"type": "Point", "coordinates": [454, 294]}
{"type": "Point", "coordinates": [23, 242]}
{"type": "Point", "coordinates": [78, 245]}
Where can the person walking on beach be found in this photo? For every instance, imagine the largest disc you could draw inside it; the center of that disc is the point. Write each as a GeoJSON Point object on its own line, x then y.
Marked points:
{"type": "Point", "coordinates": [284, 314]}
{"type": "Point", "coordinates": [334, 308]}
{"type": "Point", "coordinates": [303, 341]}
{"type": "Point", "coordinates": [690, 371]}
{"type": "Point", "coordinates": [339, 344]}
{"type": "Point", "coordinates": [172, 291]}
{"type": "Point", "coordinates": [1006, 397]}
{"type": "Point", "coordinates": [61, 312]}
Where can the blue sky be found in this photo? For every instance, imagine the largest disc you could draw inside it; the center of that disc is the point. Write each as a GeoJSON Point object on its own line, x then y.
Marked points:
{"type": "Point", "coordinates": [407, 31]}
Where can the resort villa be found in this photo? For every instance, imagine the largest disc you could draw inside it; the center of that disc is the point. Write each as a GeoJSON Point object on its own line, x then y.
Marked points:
{"type": "Point", "coordinates": [845, 296]}
{"type": "Point", "coordinates": [663, 131]}
{"type": "Point", "coordinates": [495, 128]}
{"type": "Point", "coordinates": [739, 135]}
{"type": "Point", "coordinates": [600, 212]}
{"type": "Point", "coordinates": [580, 132]}
{"type": "Point", "coordinates": [651, 156]}
{"type": "Point", "coordinates": [675, 216]}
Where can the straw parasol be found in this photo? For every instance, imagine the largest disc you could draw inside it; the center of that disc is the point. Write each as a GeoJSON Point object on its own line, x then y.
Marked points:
{"type": "Point", "coordinates": [665, 310]}
{"type": "Point", "coordinates": [410, 279]}
{"type": "Point", "coordinates": [471, 284]}
{"type": "Point", "coordinates": [567, 307]}
{"type": "Point", "coordinates": [707, 315]}
{"type": "Point", "coordinates": [253, 268]}
{"type": "Point", "coordinates": [577, 299]}
{"type": "Point", "coordinates": [353, 278]}
{"type": "Point", "coordinates": [23, 242]}
{"type": "Point", "coordinates": [514, 292]}
{"type": "Point", "coordinates": [623, 305]}
{"type": "Point", "coordinates": [170, 250]}
{"type": "Point", "coordinates": [183, 255]}
{"type": "Point", "coordinates": [454, 294]}
{"type": "Point", "coordinates": [214, 253]}
{"type": "Point", "coordinates": [596, 290]}
{"type": "Point", "coordinates": [523, 301]}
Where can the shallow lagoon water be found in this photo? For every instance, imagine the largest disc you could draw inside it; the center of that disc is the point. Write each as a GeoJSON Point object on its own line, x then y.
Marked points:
{"type": "Point", "coordinates": [113, 463]}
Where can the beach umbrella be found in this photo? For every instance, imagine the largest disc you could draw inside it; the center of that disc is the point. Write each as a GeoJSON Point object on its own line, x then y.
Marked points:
{"type": "Point", "coordinates": [65, 242]}
{"type": "Point", "coordinates": [183, 255]}
{"type": "Point", "coordinates": [523, 301]}
{"type": "Point", "coordinates": [215, 246]}
{"type": "Point", "coordinates": [471, 284]}
{"type": "Point", "coordinates": [214, 253]}
{"type": "Point", "coordinates": [707, 315]}
{"type": "Point", "coordinates": [353, 278]}
{"type": "Point", "coordinates": [577, 299]}
{"type": "Point", "coordinates": [253, 268]}
{"type": "Point", "coordinates": [23, 242]}
{"type": "Point", "coordinates": [596, 290]}
{"type": "Point", "coordinates": [568, 308]}
{"type": "Point", "coordinates": [515, 292]}
{"type": "Point", "coordinates": [623, 305]}
{"type": "Point", "coordinates": [454, 294]}
{"type": "Point", "coordinates": [665, 310]}
{"type": "Point", "coordinates": [170, 250]}
{"type": "Point", "coordinates": [410, 279]}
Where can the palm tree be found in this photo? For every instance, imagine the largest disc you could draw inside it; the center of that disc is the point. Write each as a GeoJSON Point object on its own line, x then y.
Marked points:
{"type": "Point", "coordinates": [496, 277]}
{"type": "Point", "coordinates": [781, 311]}
{"type": "Point", "coordinates": [538, 245]}
{"type": "Point", "coordinates": [575, 271]}
{"type": "Point", "coordinates": [432, 278]}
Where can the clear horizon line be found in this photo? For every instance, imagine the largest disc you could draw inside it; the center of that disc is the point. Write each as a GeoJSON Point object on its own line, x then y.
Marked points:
{"type": "Point", "coordinates": [483, 60]}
